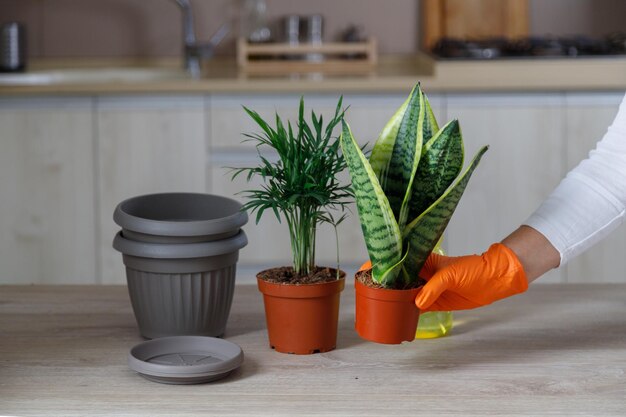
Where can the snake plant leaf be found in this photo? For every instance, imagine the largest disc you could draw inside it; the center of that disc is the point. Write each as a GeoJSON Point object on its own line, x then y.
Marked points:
{"type": "Point", "coordinates": [390, 279]}
{"type": "Point", "coordinates": [397, 150]}
{"type": "Point", "coordinates": [380, 229]}
{"type": "Point", "coordinates": [430, 123]}
{"type": "Point", "coordinates": [383, 148]}
{"type": "Point", "coordinates": [423, 233]}
{"type": "Point", "coordinates": [441, 162]}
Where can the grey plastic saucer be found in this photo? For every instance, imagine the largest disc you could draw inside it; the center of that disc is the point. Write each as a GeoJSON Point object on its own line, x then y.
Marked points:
{"type": "Point", "coordinates": [185, 359]}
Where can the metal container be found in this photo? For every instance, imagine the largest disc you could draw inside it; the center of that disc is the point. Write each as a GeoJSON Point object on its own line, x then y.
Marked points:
{"type": "Point", "coordinates": [12, 47]}
{"type": "Point", "coordinates": [292, 29]}
{"type": "Point", "coordinates": [315, 29]}
{"type": "Point", "coordinates": [315, 35]}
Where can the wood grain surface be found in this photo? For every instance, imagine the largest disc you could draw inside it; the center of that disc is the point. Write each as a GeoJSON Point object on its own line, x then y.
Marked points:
{"type": "Point", "coordinates": [559, 350]}
{"type": "Point", "coordinates": [473, 19]}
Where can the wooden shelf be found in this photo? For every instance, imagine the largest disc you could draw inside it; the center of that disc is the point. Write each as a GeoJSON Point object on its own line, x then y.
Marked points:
{"type": "Point", "coordinates": [281, 58]}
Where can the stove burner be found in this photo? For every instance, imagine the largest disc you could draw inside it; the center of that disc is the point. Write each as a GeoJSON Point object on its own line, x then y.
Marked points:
{"type": "Point", "coordinates": [492, 48]}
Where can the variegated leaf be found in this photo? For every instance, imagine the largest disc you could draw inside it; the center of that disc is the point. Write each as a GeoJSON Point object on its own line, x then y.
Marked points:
{"type": "Point", "coordinates": [441, 162]}
{"type": "Point", "coordinates": [383, 148]}
{"type": "Point", "coordinates": [395, 152]}
{"type": "Point", "coordinates": [423, 233]}
{"type": "Point", "coordinates": [430, 126]}
{"type": "Point", "coordinates": [380, 229]}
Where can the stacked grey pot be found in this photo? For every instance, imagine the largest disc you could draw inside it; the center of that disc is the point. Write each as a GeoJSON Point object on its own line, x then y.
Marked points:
{"type": "Point", "coordinates": [180, 251]}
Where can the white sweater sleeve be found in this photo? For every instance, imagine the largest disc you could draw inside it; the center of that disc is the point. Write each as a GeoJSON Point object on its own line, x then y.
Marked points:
{"type": "Point", "coordinates": [590, 201]}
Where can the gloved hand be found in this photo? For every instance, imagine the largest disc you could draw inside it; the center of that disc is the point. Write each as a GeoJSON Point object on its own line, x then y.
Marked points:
{"type": "Point", "coordinates": [464, 282]}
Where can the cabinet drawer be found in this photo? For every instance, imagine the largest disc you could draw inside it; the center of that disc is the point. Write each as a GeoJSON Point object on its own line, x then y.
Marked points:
{"type": "Point", "coordinates": [367, 114]}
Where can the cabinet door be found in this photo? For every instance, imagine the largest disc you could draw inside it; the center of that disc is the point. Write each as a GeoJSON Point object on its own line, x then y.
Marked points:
{"type": "Point", "coordinates": [46, 177]}
{"type": "Point", "coordinates": [269, 240]}
{"type": "Point", "coordinates": [587, 119]}
{"type": "Point", "coordinates": [524, 163]}
{"type": "Point", "coordinates": [145, 145]}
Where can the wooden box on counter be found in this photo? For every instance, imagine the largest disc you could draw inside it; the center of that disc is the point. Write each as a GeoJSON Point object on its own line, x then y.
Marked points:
{"type": "Point", "coordinates": [473, 19]}
{"type": "Point", "coordinates": [282, 58]}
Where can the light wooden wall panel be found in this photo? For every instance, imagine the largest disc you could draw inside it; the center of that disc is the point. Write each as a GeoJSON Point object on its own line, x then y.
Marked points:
{"type": "Point", "coordinates": [47, 222]}
{"type": "Point", "coordinates": [524, 163]}
{"type": "Point", "coordinates": [145, 145]}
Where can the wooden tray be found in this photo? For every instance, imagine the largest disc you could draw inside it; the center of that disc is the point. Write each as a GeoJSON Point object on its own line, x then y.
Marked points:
{"type": "Point", "coordinates": [282, 58]}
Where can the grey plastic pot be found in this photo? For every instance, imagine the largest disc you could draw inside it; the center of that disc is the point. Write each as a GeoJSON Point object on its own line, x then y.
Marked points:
{"type": "Point", "coordinates": [179, 217]}
{"type": "Point", "coordinates": [181, 289]}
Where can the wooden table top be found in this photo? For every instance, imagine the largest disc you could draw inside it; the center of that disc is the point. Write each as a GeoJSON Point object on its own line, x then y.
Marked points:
{"type": "Point", "coordinates": [557, 350]}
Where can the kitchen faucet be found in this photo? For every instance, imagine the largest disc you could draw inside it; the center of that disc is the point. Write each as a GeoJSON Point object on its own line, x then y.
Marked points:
{"type": "Point", "coordinates": [194, 51]}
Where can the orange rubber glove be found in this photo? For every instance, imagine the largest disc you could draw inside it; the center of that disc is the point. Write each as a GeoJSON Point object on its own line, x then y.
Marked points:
{"type": "Point", "coordinates": [464, 282]}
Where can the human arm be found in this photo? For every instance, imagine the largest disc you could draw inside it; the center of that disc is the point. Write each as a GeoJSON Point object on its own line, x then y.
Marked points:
{"type": "Point", "coordinates": [533, 250]}
{"type": "Point", "coordinates": [586, 206]}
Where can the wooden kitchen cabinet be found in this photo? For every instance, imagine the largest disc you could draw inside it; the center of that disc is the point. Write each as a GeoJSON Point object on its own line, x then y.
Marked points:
{"type": "Point", "coordinates": [587, 118]}
{"type": "Point", "coordinates": [145, 145]}
{"type": "Point", "coordinates": [47, 221]}
{"type": "Point", "coordinates": [524, 163]}
{"type": "Point", "coordinates": [66, 162]}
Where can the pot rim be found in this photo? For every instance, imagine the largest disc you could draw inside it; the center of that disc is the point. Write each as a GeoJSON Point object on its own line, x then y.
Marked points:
{"type": "Point", "coordinates": [179, 250]}
{"type": "Point", "coordinates": [385, 294]}
{"type": "Point", "coordinates": [199, 227]}
{"type": "Point", "coordinates": [287, 290]}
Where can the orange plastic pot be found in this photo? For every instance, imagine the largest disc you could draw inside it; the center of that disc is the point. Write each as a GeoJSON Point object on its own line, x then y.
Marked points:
{"type": "Point", "coordinates": [302, 319]}
{"type": "Point", "coordinates": [386, 316]}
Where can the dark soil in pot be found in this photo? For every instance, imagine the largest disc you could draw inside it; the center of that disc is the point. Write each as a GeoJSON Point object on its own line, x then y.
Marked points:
{"type": "Point", "coordinates": [286, 275]}
{"type": "Point", "coordinates": [365, 278]}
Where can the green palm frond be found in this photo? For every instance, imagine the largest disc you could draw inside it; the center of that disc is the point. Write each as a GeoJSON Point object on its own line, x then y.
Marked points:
{"type": "Point", "coordinates": [301, 186]}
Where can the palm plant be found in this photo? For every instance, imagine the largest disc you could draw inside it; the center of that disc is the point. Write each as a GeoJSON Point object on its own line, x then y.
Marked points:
{"type": "Point", "coordinates": [302, 184]}
{"type": "Point", "coordinates": [408, 190]}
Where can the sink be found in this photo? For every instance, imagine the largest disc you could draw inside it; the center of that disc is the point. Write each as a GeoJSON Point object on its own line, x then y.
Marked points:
{"type": "Point", "coordinates": [92, 75]}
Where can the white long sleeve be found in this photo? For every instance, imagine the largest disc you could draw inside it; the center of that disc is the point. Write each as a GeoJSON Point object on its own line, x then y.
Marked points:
{"type": "Point", "coordinates": [590, 202]}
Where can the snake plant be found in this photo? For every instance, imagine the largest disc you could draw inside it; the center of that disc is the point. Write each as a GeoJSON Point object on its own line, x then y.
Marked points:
{"type": "Point", "coordinates": [407, 191]}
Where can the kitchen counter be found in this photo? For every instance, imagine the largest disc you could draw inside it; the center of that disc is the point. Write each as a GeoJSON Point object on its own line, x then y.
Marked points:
{"type": "Point", "coordinates": [393, 74]}
{"type": "Point", "coordinates": [557, 350]}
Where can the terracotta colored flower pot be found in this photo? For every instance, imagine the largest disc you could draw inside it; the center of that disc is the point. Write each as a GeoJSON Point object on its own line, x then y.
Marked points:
{"type": "Point", "coordinates": [386, 316]}
{"type": "Point", "coordinates": [302, 319]}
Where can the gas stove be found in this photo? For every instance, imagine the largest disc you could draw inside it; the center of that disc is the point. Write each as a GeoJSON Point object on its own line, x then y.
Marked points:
{"type": "Point", "coordinates": [536, 47]}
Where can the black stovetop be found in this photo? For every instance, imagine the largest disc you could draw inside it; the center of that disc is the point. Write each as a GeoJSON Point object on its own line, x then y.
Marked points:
{"type": "Point", "coordinates": [547, 47]}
